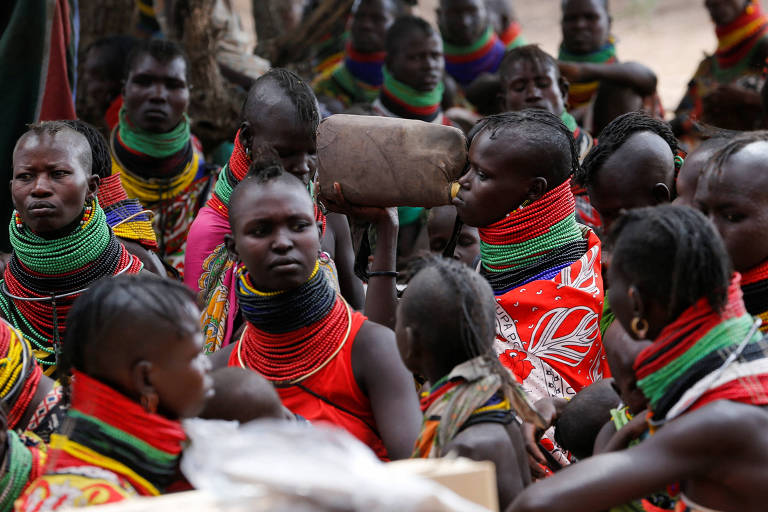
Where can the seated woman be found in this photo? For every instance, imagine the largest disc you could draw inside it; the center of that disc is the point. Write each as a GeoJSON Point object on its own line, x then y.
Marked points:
{"type": "Point", "coordinates": [133, 361]}
{"type": "Point", "coordinates": [543, 266]}
{"type": "Point", "coordinates": [328, 362]}
{"type": "Point", "coordinates": [60, 237]}
{"type": "Point", "coordinates": [706, 372]}
{"type": "Point", "coordinates": [358, 77]}
{"type": "Point", "coordinates": [602, 88]}
{"type": "Point", "coordinates": [279, 115]}
{"type": "Point", "coordinates": [445, 332]}
{"type": "Point", "coordinates": [159, 161]}
{"type": "Point", "coordinates": [725, 90]}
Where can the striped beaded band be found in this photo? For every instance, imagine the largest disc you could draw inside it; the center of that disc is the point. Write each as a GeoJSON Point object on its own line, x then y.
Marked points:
{"type": "Point", "coordinates": [285, 311]}
{"type": "Point", "coordinates": [531, 232]}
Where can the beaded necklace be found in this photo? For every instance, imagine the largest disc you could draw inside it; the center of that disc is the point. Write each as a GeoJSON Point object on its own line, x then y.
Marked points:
{"type": "Point", "coordinates": [19, 471]}
{"type": "Point", "coordinates": [754, 285]}
{"type": "Point", "coordinates": [531, 232]}
{"type": "Point", "coordinates": [512, 37]}
{"type": "Point", "coordinates": [737, 41]}
{"type": "Point", "coordinates": [691, 347]}
{"type": "Point", "coordinates": [19, 373]}
{"type": "Point", "coordinates": [407, 102]}
{"type": "Point", "coordinates": [291, 335]}
{"type": "Point", "coordinates": [104, 428]}
{"type": "Point", "coordinates": [127, 218]}
{"type": "Point", "coordinates": [232, 174]}
{"type": "Point", "coordinates": [360, 75]}
{"type": "Point", "coordinates": [570, 122]}
{"type": "Point", "coordinates": [465, 63]}
{"type": "Point", "coordinates": [44, 277]}
{"type": "Point", "coordinates": [156, 145]}
{"type": "Point", "coordinates": [154, 166]}
{"type": "Point", "coordinates": [581, 93]}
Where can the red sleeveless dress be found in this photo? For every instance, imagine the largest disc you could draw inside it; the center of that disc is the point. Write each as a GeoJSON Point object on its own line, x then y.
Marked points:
{"type": "Point", "coordinates": [333, 396]}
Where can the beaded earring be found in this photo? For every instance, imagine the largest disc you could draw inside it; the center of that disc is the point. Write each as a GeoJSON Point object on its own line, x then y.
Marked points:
{"type": "Point", "coordinates": [87, 214]}
{"type": "Point", "coordinates": [680, 159]}
{"type": "Point", "coordinates": [18, 220]}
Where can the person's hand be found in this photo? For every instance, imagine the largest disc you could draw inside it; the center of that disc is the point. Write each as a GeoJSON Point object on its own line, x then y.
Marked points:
{"type": "Point", "coordinates": [550, 409]}
{"type": "Point", "coordinates": [636, 427]}
{"type": "Point", "coordinates": [571, 71]}
{"type": "Point", "coordinates": [336, 202]}
{"type": "Point", "coordinates": [628, 433]}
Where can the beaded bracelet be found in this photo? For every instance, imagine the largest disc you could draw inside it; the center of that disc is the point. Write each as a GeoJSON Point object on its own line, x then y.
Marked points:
{"type": "Point", "coordinates": [383, 273]}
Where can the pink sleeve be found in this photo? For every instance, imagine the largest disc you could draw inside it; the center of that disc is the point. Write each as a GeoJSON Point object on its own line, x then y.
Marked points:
{"type": "Point", "coordinates": [207, 233]}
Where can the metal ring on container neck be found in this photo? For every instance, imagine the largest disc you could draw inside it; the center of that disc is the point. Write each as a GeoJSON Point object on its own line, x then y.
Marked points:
{"type": "Point", "coordinates": [455, 187]}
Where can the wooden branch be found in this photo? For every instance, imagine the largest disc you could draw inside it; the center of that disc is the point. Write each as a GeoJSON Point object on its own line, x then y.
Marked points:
{"type": "Point", "coordinates": [293, 46]}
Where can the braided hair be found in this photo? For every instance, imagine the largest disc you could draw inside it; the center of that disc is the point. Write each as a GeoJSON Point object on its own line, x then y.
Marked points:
{"type": "Point", "coordinates": [615, 134]}
{"type": "Point", "coordinates": [469, 329]}
{"type": "Point", "coordinates": [265, 167]}
{"type": "Point", "coordinates": [674, 255]}
{"type": "Point", "coordinates": [541, 129]}
{"type": "Point", "coordinates": [101, 158]}
{"type": "Point", "coordinates": [293, 87]}
{"type": "Point", "coordinates": [113, 303]}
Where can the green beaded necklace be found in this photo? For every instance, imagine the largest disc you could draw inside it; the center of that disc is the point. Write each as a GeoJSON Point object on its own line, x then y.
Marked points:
{"type": "Point", "coordinates": [497, 258]}
{"type": "Point", "coordinates": [61, 255]}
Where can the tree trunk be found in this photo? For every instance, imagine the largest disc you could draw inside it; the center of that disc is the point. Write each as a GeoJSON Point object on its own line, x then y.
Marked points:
{"type": "Point", "coordinates": [214, 104]}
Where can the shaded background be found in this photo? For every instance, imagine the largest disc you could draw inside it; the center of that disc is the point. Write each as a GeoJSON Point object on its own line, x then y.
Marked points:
{"type": "Point", "coordinates": [669, 36]}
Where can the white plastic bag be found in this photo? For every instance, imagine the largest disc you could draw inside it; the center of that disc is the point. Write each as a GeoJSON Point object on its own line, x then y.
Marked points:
{"type": "Point", "coordinates": [316, 465]}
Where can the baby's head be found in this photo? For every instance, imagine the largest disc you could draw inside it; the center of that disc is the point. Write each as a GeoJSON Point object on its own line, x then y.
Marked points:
{"type": "Point", "coordinates": [242, 395]}
{"type": "Point", "coordinates": [578, 425]}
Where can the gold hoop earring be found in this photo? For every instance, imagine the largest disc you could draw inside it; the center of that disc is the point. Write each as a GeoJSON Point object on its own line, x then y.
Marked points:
{"type": "Point", "coordinates": [639, 327]}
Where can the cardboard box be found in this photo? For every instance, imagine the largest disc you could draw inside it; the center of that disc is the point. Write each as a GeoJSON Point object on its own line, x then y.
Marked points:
{"type": "Point", "coordinates": [472, 480]}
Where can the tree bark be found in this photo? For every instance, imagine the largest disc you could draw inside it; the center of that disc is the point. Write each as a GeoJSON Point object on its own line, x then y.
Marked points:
{"type": "Point", "coordinates": [214, 104]}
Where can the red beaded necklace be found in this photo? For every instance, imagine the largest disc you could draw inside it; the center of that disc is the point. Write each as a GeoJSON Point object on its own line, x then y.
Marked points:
{"type": "Point", "coordinates": [755, 274]}
{"type": "Point", "coordinates": [533, 220]}
{"type": "Point", "coordinates": [289, 358]}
